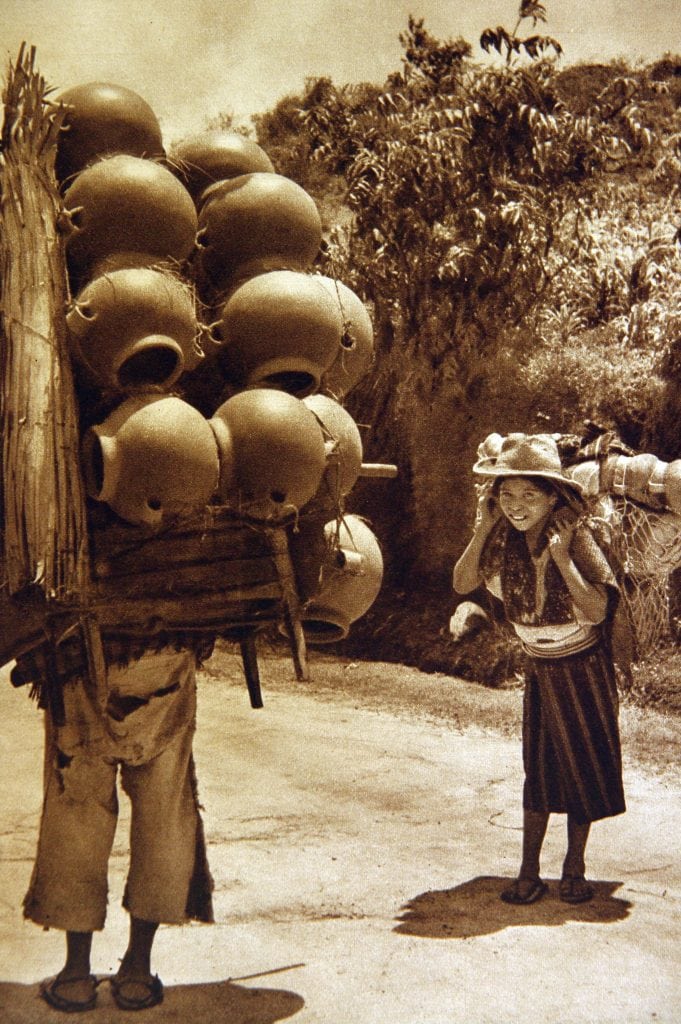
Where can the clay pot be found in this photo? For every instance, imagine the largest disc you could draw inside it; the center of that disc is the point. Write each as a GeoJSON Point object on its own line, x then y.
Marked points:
{"type": "Point", "coordinates": [356, 350]}
{"type": "Point", "coordinates": [155, 456]}
{"type": "Point", "coordinates": [272, 454]}
{"type": "Point", "coordinates": [103, 119]}
{"type": "Point", "coordinates": [343, 445]}
{"type": "Point", "coordinates": [672, 485]}
{"type": "Point", "coordinates": [124, 204]}
{"type": "Point", "coordinates": [490, 447]}
{"type": "Point", "coordinates": [201, 160]}
{"type": "Point", "coordinates": [253, 223]}
{"type": "Point", "coordinates": [281, 329]}
{"type": "Point", "coordinates": [134, 328]}
{"type": "Point", "coordinates": [587, 474]}
{"type": "Point", "coordinates": [351, 578]}
{"type": "Point", "coordinates": [640, 477]}
{"type": "Point", "coordinates": [652, 524]}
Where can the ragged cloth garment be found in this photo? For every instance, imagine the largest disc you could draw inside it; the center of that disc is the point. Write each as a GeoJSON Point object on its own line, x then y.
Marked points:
{"type": "Point", "coordinates": [146, 733]}
{"type": "Point", "coordinates": [49, 666]}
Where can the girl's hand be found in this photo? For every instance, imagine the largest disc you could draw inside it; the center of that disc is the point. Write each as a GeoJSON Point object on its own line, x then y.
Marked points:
{"type": "Point", "coordinates": [560, 536]}
{"type": "Point", "coordinates": [488, 511]}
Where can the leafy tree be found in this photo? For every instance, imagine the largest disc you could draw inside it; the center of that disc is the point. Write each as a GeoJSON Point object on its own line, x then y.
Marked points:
{"type": "Point", "coordinates": [437, 65]}
{"type": "Point", "coordinates": [512, 44]}
{"type": "Point", "coordinates": [460, 179]}
{"type": "Point", "coordinates": [513, 225]}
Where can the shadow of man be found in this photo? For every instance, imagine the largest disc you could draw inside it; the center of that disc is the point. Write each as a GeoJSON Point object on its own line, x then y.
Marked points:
{"type": "Point", "coordinates": [474, 908]}
{"type": "Point", "coordinates": [210, 1003]}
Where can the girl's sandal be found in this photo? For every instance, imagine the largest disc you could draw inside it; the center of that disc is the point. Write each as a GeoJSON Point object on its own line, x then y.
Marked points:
{"type": "Point", "coordinates": [524, 891]}
{"type": "Point", "coordinates": [575, 889]}
{"type": "Point", "coordinates": [49, 991]}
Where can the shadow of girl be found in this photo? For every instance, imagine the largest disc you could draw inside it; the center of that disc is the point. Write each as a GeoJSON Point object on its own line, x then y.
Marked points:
{"type": "Point", "coordinates": [210, 1003]}
{"type": "Point", "coordinates": [474, 908]}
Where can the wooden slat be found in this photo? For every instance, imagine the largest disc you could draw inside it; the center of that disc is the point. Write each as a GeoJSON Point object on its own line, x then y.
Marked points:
{"type": "Point", "coordinates": [183, 550]}
{"type": "Point", "coordinates": [206, 532]}
{"type": "Point", "coordinates": [231, 595]}
{"type": "Point", "coordinates": [202, 613]}
{"type": "Point", "coordinates": [223, 575]}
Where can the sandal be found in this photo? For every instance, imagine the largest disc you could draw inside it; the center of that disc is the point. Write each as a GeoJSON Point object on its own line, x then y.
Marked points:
{"type": "Point", "coordinates": [513, 895]}
{"type": "Point", "coordinates": [575, 889]}
{"type": "Point", "coordinates": [152, 985]}
{"type": "Point", "coordinates": [49, 991]}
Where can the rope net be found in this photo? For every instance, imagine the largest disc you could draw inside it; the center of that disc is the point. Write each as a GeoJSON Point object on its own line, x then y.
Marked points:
{"type": "Point", "coordinates": [629, 505]}
{"type": "Point", "coordinates": [646, 545]}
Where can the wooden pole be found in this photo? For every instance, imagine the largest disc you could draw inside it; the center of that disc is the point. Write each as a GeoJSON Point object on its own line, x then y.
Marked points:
{"type": "Point", "coordinates": [378, 469]}
{"type": "Point", "coordinates": [45, 532]}
{"type": "Point", "coordinates": [249, 658]}
{"type": "Point", "coordinates": [291, 604]}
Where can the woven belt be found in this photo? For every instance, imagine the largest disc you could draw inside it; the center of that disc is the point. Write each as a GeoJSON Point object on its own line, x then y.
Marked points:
{"type": "Point", "coordinates": [550, 647]}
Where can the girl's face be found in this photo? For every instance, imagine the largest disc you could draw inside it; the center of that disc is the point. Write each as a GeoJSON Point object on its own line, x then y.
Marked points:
{"type": "Point", "coordinates": [523, 503]}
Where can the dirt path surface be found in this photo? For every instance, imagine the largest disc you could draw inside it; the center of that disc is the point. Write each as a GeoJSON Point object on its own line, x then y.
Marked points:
{"type": "Point", "coordinates": [360, 829]}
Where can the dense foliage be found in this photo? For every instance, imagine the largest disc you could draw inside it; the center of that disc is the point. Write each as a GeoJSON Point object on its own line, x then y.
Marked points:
{"type": "Point", "coordinates": [514, 228]}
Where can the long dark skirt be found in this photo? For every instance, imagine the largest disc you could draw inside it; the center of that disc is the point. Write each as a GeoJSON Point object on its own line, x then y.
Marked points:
{"type": "Point", "coordinates": [571, 744]}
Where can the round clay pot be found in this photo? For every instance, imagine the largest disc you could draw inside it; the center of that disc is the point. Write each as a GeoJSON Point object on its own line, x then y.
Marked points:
{"type": "Point", "coordinates": [280, 329]}
{"type": "Point", "coordinates": [644, 476]}
{"type": "Point", "coordinates": [102, 119]}
{"type": "Point", "coordinates": [203, 159]}
{"type": "Point", "coordinates": [343, 445]}
{"type": "Point", "coordinates": [155, 456]}
{"type": "Point", "coordinates": [640, 477]}
{"type": "Point", "coordinates": [356, 350]}
{"type": "Point", "coordinates": [124, 204]}
{"type": "Point", "coordinates": [588, 476]}
{"type": "Point", "coordinates": [491, 446]}
{"type": "Point", "coordinates": [672, 485]}
{"type": "Point", "coordinates": [351, 578]}
{"type": "Point", "coordinates": [253, 223]}
{"type": "Point", "coordinates": [272, 454]}
{"type": "Point", "coordinates": [135, 328]}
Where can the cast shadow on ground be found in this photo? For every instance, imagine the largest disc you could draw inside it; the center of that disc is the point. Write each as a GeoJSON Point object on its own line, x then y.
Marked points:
{"type": "Point", "coordinates": [211, 1003]}
{"type": "Point", "coordinates": [474, 908]}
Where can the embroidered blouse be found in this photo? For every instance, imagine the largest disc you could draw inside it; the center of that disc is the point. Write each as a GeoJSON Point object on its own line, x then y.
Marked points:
{"type": "Point", "coordinates": [535, 597]}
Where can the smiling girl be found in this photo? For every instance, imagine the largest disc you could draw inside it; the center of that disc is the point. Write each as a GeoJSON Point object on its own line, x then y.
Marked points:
{"type": "Point", "coordinates": [534, 552]}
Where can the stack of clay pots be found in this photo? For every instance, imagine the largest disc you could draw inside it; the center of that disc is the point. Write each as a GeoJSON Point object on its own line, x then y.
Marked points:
{"type": "Point", "coordinates": [132, 324]}
{"type": "Point", "coordinates": [654, 488]}
{"type": "Point", "coordinates": [160, 245]}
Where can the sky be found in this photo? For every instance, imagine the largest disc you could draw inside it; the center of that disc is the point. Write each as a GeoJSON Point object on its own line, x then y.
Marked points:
{"type": "Point", "coordinates": [193, 60]}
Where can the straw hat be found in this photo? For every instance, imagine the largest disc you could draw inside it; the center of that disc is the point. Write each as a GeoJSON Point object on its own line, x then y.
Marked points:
{"type": "Point", "coordinates": [525, 455]}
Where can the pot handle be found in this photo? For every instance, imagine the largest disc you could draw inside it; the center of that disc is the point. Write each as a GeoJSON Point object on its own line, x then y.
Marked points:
{"type": "Point", "coordinates": [70, 222]}
{"type": "Point", "coordinates": [80, 317]}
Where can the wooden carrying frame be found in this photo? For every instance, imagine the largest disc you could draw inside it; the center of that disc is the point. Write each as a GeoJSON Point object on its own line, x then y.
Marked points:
{"type": "Point", "coordinates": [64, 564]}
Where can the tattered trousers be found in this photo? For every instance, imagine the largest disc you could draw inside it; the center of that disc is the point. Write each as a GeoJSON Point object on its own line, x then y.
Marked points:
{"type": "Point", "coordinates": [146, 734]}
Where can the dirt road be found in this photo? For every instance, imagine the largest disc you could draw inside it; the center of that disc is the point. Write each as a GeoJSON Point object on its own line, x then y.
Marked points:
{"type": "Point", "coordinates": [358, 854]}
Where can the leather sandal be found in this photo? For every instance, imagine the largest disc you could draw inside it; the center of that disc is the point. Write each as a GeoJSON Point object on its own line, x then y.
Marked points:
{"type": "Point", "coordinates": [49, 991]}
{"type": "Point", "coordinates": [153, 987]}
{"type": "Point", "coordinates": [575, 889]}
{"type": "Point", "coordinates": [513, 895]}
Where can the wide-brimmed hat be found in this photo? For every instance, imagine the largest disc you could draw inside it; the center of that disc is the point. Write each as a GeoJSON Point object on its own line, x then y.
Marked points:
{"type": "Point", "coordinates": [525, 455]}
